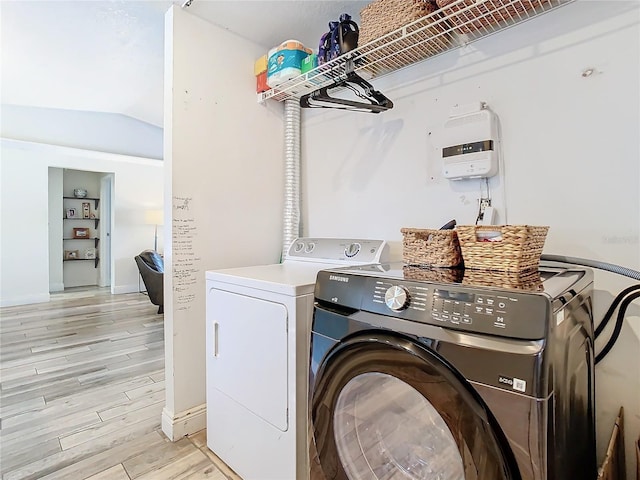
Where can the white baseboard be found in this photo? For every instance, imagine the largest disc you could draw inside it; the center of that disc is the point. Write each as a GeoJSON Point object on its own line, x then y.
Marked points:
{"type": "Point", "coordinates": [119, 289]}
{"type": "Point", "coordinates": [24, 300]}
{"type": "Point", "coordinates": [176, 426]}
{"type": "Point", "coordinates": [56, 287]}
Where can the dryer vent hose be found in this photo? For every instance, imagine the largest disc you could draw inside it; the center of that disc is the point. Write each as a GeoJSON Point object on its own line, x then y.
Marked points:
{"type": "Point", "coordinates": [621, 302]}
{"type": "Point", "coordinates": [627, 272]}
{"type": "Point", "coordinates": [291, 220]}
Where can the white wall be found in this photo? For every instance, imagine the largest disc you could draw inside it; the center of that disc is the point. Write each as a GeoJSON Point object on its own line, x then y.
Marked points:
{"type": "Point", "coordinates": [99, 131]}
{"type": "Point", "coordinates": [571, 150]}
{"type": "Point", "coordinates": [224, 190]}
{"type": "Point", "coordinates": [24, 273]}
{"type": "Point", "coordinates": [56, 275]}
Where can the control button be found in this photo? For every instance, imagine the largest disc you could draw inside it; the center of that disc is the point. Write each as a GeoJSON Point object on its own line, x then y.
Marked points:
{"type": "Point", "coordinates": [502, 305]}
{"type": "Point", "coordinates": [466, 320]}
{"type": "Point", "coordinates": [396, 298]}
{"type": "Point", "coordinates": [352, 250]}
{"type": "Point", "coordinates": [310, 247]}
{"type": "Point", "coordinates": [447, 306]}
{"type": "Point", "coordinates": [490, 301]}
{"type": "Point", "coordinates": [298, 247]}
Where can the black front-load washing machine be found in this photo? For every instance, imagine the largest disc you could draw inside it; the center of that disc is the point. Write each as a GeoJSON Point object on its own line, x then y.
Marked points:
{"type": "Point", "coordinates": [421, 373]}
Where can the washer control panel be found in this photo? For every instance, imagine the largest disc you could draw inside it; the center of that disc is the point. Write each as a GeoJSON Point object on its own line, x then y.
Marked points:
{"type": "Point", "coordinates": [504, 312]}
{"type": "Point", "coordinates": [336, 250]}
{"type": "Point", "coordinates": [492, 311]}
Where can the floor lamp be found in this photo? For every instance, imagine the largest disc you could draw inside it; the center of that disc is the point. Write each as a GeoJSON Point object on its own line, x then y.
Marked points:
{"type": "Point", "coordinates": [154, 217]}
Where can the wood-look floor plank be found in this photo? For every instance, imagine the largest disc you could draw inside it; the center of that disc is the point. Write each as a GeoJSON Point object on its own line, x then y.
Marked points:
{"type": "Point", "coordinates": [153, 460]}
{"type": "Point", "coordinates": [178, 469]}
{"type": "Point", "coordinates": [53, 411]}
{"type": "Point", "coordinates": [51, 390]}
{"type": "Point", "coordinates": [107, 358]}
{"type": "Point", "coordinates": [25, 357]}
{"type": "Point", "coordinates": [23, 384]}
{"type": "Point", "coordinates": [131, 405]}
{"type": "Point", "coordinates": [146, 390]}
{"type": "Point", "coordinates": [158, 376]}
{"type": "Point", "coordinates": [95, 394]}
{"type": "Point", "coordinates": [52, 463]}
{"type": "Point", "coordinates": [82, 389]}
{"type": "Point", "coordinates": [47, 430]}
{"type": "Point", "coordinates": [115, 424]}
{"type": "Point", "coordinates": [7, 374]}
{"type": "Point", "coordinates": [224, 468]}
{"type": "Point", "coordinates": [16, 457]}
{"type": "Point", "coordinates": [117, 472]}
{"type": "Point", "coordinates": [108, 375]}
{"type": "Point", "coordinates": [34, 403]}
{"type": "Point", "coordinates": [107, 458]}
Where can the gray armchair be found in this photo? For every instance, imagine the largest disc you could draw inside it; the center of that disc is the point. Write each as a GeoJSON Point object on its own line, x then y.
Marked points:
{"type": "Point", "coordinates": [151, 267]}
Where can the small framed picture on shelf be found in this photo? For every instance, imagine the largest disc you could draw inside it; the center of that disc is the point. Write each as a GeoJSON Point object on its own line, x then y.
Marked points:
{"type": "Point", "coordinates": [90, 253]}
{"type": "Point", "coordinates": [72, 213]}
{"type": "Point", "coordinates": [81, 232]}
{"type": "Point", "coordinates": [71, 254]}
{"type": "Point", "coordinates": [86, 210]}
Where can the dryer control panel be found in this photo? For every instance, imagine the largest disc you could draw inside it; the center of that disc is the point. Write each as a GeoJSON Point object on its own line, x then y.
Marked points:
{"type": "Point", "coordinates": [350, 251]}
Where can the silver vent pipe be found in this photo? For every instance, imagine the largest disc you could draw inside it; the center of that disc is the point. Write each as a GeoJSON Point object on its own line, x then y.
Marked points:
{"type": "Point", "coordinates": [291, 224]}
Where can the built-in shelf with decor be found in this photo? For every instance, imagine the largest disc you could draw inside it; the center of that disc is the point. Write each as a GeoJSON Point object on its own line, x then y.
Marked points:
{"type": "Point", "coordinates": [80, 217]}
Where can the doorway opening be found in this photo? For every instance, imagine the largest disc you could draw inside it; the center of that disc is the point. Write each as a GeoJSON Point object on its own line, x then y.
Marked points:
{"type": "Point", "coordinates": [80, 222]}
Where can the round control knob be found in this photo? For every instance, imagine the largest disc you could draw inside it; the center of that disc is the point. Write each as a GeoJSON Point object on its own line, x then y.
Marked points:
{"type": "Point", "coordinates": [352, 250]}
{"type": "Point", "coordinates": [396, 298]}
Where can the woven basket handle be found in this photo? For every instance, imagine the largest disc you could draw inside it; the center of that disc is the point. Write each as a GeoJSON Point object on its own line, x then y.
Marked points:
{"type": "Point", "coordinates": [489, 235]}
{"type": "Point", "coordinates": [427, 237]}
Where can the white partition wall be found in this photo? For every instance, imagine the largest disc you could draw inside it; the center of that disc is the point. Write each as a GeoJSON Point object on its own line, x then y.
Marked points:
{"type": "Point", "coordinates": [223, 191]}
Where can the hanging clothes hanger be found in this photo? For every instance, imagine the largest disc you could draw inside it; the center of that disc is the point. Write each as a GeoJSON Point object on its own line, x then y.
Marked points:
{"type": "Point", "coordinates": [374, 101]}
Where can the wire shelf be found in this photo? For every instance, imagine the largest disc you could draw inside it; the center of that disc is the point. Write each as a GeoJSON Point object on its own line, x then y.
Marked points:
{"type": "Point", "coordinates": [457, 23]}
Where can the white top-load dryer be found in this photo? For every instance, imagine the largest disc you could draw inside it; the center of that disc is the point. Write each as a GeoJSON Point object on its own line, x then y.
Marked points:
{"type": "Point", "coordinates": [258, 329]}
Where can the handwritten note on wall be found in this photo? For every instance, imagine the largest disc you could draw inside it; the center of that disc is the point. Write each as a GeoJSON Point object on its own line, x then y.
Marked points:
{"type": "Point", "coordinates": [185, 260]}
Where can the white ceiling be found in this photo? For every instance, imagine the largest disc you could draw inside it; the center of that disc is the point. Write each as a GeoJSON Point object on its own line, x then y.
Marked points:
{"type": "Point", "coordinates": [107, 56]}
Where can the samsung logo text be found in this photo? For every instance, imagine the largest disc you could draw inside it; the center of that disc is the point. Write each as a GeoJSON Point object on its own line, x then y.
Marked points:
{"type": "Point", "coordinates": [336, 278]}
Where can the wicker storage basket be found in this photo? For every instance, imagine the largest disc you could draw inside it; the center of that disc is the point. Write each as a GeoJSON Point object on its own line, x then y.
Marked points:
{"type": "Point", "coordinates": [519, 246]}
{"type": "Point", "coordinates": [528, 280]}
{"type": "Point", "coordinates": [384, 16]}
{"type": "Point", "coordinates": [445, 275]}
{"type": "Point", "coordinates": [436, 248]}
{"type": "Point", "coordinates": [484, 14]}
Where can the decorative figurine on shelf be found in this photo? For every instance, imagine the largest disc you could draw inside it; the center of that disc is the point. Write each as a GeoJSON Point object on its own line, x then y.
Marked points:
{"type": "Point", "coordinates": [86, 210]}
{"type": "Point", "coordinates": [80, 192]}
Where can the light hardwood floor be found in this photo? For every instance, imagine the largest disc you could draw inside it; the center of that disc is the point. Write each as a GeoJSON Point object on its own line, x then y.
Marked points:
{"type": "Point", "coordinates": [82, 391]}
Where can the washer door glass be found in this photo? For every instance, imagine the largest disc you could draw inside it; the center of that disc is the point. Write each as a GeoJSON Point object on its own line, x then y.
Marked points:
{"type": "Point", "coordinates": [385, 429]}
